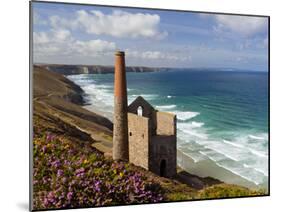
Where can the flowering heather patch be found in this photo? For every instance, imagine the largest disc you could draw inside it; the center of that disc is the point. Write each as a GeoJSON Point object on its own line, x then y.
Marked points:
{"type": "Point", "coordinates": [65, 177]}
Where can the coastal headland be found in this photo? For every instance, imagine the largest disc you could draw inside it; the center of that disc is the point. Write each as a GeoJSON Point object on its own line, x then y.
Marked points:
{"type": "Point", "coordinates": [95, 69]}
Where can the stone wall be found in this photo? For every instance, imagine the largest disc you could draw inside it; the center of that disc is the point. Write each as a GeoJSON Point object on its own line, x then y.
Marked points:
{"type": "Point", "coordinates": [147, 111]}
{"type": "Point", "coordinates": [152, 138]}
{"type": "Point", "coordinates": [138, 134]}
{"type": "Point", "coordinates": [163, 148]}
{"type": "Point", "coordinates": [166, 123]}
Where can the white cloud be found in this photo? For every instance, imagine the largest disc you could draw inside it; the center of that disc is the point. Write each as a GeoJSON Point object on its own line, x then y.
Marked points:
{"type": "Point", "coordinates": [118, 24]}
{"type": "Point", "coordinates": [243, 25]}
{"type": "Point", "coordinates": [59, 42]}
{"type": "Point", "coordinates": [61, 35]}
{"type": "Point", "coordinates": [256, 43]}
{"type": "Point", "coordinates": [40, 37]}
{"type": "Point", "coordinates": [54, 36]}
{"type": "Point", "coordinates": [156, 55]}
{"type": "Point", "coordinates": [93, 47]}
{"type": "Point", "coordinates": [37, 19]}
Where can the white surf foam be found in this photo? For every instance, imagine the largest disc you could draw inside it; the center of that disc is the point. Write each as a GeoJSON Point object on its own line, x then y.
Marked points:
{"type": "Point", "coordinates": [212, 155]}
{"type": "Point", "coordinates": [257, 137]}
{"type": "Point", "coordinates": [253, 151]}
{"type": "Point", "coordinates": [258, 153]}
{"type": "Point", "coordinates": [226, 152]}
{"type": "Point", "coordinates": [238, 158]}
{"type": "Point", "coordinates": [165, 107]}
{"type": "Point", "coordinates": [188, 130]}
{"type": "Point", "coordinates": [190, 146]}
{"type": "Point", "coordinates": [233, 144]}
{"type": "Point", "coordinates": [240, 172]}
{"type": "Point", "coordinates": [100, 94]}
{"type": "Point", "coordinates": [197, 124]}
{"type": "Point", "coordinates": [104, 86]}
{"type": "Point", "coordinates": [246, 165]}
{"type": "Point", "coordinates": [146, 96]}
{"type": "Point", "coordinates": [265, 173]}
{"type": "Point", "coordinates": [185, 115]}
{"type": "Point", "coordinates": [195, 156]}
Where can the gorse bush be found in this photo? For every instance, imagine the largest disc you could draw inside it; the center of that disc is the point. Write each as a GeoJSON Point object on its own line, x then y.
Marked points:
{"type": "Point", "coordinates": [65, 177]}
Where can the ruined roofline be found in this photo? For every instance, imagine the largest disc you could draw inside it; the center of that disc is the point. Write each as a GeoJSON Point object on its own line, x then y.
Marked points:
{"type": "Point", "coordinates": [141, 102]}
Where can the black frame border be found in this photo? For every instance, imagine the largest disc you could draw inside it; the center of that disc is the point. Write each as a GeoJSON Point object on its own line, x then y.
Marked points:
{"type": "Point", "coordinates": [126, 7]}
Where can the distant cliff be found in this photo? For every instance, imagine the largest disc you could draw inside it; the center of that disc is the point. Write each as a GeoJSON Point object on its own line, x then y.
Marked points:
{"type": "Point", "coordinates": [94, 69]}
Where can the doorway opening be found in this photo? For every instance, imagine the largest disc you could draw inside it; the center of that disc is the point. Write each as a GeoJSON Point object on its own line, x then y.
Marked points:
{"type": "Point", "coordinates": [163, 168]}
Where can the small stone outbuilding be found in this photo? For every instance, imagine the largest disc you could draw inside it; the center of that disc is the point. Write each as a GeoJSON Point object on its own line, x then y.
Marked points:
{"type": "Point", "coordinates": [152, 138]}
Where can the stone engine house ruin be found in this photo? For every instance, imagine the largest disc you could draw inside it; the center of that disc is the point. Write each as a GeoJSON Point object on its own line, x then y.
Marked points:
{"type": "Point", "coordinates": [152, 138]}
{"type": "Point", "coordinates": [142, 135]}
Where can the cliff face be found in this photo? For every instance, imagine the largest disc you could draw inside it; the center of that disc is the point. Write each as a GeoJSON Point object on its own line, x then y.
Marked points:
{"type": "Point", "coordinates": [57, 106]}
{"type": "Point", "coordinates": [95, 69]}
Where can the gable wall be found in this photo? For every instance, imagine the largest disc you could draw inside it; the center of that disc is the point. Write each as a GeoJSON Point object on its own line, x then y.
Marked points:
{"type": "Point", "coordinates": [166, 123]}
{"type": "Point", "coordinates": [138, 134]}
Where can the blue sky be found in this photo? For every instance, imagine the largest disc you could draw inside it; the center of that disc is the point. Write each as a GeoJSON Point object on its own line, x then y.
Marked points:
{"type": "Point", "coordinates": [79, 34]}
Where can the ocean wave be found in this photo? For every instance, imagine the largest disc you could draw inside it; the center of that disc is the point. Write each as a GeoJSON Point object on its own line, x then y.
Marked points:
{"type": "Point", "coordinates": [253, 175]}
{"type": "Point", "coordinates": [196, 157]}
{"type": "Point", "coordinates": [258, 153]}
{"type": "Point", "coordinates": [188, 129]}
{"type": "Point", "coordinates": [190, 125]}
{"type": "Point", "coordinates": [169, 97]}
{"type": "Point", "coordinates": [197, 124]}
{"type": "Point", "coordinates": [233, 144]}
{"type": "Point", "coordinates": [100, 95]}
{"type": "Point", "coordinates": [165, 107]}
{"type": "Point", "coordinates": [146, 96]}
{"type": "Point", "coordinates": [191, 145]}
{"type": "Point", "coordinates": [104, 86]}
{"type": "Point", "coordinates": [212, 155]}
{"type": "Point", "coordinates": [81, 79]}
{"type": "Point", "coordinates": [253, 151]}
{"type": "Point", "coordinates": [185, 115]}
{"type": "Point", "coordinates": [265, 173]}
{"type": "Point", "coordinates": [234, 158]}
{"type": "Point", "coordinates": [250, 174]}
{"type": "Point", "coordinates": [257, 137]}
{"type": "Point", "coordinates": [228, 154]}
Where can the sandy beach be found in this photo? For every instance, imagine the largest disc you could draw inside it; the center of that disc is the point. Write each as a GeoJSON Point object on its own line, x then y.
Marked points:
{"type": "Point", "coordinates": [207, 168]}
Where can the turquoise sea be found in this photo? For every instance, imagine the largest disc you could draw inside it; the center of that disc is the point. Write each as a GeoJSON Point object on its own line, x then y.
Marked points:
{"type": "Point", "coordinates": [222, 115]}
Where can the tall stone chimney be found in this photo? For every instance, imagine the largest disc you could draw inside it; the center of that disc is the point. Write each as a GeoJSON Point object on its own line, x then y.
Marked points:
{"type": "Point", "coordinates": [120, 127]}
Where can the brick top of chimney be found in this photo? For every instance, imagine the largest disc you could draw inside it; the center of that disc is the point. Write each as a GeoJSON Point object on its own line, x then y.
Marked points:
{"type": "Point", "coordinates": [119, 53]}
